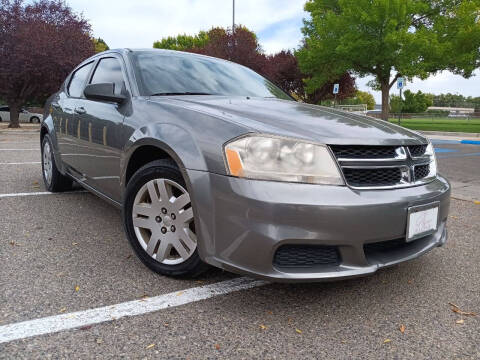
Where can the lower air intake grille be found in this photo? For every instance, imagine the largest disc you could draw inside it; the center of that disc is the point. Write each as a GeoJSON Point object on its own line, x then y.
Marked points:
{"type": "Point", "coordinates": [373, 176]}
{"type": "Point", "coordinates": [305, 256]}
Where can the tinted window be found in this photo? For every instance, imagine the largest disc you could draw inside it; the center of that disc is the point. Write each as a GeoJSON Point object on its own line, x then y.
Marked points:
{"type": "Point", "coordinates": [109, 70]}
{"type": "Point", "coordinates": [4, 108]}
{"type": "Point", "coordinates": [160, 73]}
{"type": "Point", "coordinates": [75, 88]}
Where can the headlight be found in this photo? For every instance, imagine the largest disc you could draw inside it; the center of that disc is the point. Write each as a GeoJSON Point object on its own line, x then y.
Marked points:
{"type": "Point", "coordinates": [270, 158]}
{"type": "Point", "coordinates": [430, 151]}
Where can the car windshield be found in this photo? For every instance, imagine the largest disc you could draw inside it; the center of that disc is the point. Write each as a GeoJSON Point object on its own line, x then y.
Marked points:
{"type": "Point", "coordinates": [181, 74]}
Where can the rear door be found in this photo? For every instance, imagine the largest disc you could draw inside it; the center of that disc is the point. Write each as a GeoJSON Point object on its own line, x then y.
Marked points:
{"type": "Point", "coordinates": [98, 124]}
{"type": "Point", "coordinates": [64, 113]}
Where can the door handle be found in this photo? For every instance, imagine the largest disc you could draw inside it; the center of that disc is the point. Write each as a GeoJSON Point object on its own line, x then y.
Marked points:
{"type": "Point", "coordinates": [80, 110]}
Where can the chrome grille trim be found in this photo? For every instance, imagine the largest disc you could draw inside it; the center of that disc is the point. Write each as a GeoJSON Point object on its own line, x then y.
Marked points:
{"type": "Point", "coordinates": [403, 160]}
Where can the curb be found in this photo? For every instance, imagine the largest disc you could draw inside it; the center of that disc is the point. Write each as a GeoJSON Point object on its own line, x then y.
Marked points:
{"type": "Point", "coordinates": [449, 133]}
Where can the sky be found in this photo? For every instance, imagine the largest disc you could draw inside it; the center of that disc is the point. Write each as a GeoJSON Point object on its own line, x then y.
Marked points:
{"type": "Point", "coordinates": [138, 23]}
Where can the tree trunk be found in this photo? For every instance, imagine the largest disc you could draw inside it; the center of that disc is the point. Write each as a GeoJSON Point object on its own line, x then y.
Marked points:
{"type": "Point", "coordinates": [385, 99]}
{"type": "Point", "coordinates": [14, 114]}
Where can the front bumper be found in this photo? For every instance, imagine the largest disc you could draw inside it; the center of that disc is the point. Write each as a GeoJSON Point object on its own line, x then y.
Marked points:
{"type": "Point", "coordinates": [241, 224]}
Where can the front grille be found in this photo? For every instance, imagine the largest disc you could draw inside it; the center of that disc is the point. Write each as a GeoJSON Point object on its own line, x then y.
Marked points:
{"type": "Point", "coordinates": [372, 177]}
{"type": "Point", "coordinates": [421, 171]}
{"type": "Point", "coordinates": [305, 256]}
{"type": "Point", "coordinates": [363, 152]}
{"type": "Point", "coordinates": [417, 150]}
{"type": "Point", "coordinates": [382, 166]}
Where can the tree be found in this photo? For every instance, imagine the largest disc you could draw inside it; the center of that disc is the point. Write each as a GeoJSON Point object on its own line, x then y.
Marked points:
{"type": "Point", "coordinates": [40, 43]}
{"type": "Point", "coordinates": [389, 39]}
{"type": "Point", "coordinates": [362, 97]}
{"type": "Point", "coordinates": [100, 45]}
{"type": "Point", "coordinates": [183, 42]}
{"type": "Point", "coordinates": [416, 103]}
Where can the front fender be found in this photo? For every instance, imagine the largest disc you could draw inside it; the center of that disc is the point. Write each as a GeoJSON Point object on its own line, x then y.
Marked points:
{"type": "Point", "coordinates": [173, 139]}
{"type": "Point", "coordinates": [48, 127]}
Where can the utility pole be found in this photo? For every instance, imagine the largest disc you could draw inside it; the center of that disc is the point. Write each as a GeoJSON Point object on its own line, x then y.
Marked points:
{"type": "Point", "coordinates": [233, 20]}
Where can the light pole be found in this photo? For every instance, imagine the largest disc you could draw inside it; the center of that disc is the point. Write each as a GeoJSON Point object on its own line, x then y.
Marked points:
{"type": "Point", "coordinates": [233, 18]}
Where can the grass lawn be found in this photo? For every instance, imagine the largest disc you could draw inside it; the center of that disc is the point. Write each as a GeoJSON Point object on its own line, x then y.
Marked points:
{"type": "Point", "coordinates": [441, 124]}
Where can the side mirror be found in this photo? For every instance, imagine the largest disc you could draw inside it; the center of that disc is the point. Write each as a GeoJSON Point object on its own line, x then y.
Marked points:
{"type": "Point", "coordinates": [105, 92]}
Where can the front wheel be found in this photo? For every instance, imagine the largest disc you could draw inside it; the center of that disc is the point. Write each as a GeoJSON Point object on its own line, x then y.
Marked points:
{"type": "Point", "coordinates": [159, 223]}
{"type": "Point", "coordinates": [35, 119]}
{"type": "Point", "coordinates": [53, 179]}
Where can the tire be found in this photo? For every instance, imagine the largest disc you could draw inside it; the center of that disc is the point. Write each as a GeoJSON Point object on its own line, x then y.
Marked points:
{"type": "Point", "coordinates": [1, 119]}
{"type": "Point", "coordinates": [53, 179]}
{"type": "Point", "coordinates": [164, 229]}
{"type": "Point", "coordinates": [35, 119]}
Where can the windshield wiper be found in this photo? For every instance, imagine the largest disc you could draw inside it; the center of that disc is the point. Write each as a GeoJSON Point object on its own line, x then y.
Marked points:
{"type": "Point", "coordinates": [180, 93]}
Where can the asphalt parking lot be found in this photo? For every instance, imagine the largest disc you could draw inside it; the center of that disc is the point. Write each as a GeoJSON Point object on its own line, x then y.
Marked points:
{"type": "Point", "coordinates": [65, 254]}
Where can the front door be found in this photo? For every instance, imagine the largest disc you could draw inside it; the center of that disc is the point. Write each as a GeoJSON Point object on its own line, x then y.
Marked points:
{"type": "Point", "coordinates": [98, 128]}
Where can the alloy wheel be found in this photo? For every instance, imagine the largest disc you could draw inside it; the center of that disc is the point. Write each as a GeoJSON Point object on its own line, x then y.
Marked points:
{"type": "Point", "coordinates": [47, 162]}
{"type": "Point", "coordinates": [163, 221]}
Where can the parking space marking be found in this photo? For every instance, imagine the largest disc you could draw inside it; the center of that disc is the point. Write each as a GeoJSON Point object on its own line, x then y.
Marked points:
{"type": "Point", "coordinates": [21, 163]}
{"type": "Point", "coordinates": [19, 149]}
{"type": "Point", "coordinates": [57, 323]}
{"type": "Point", "coordinates": [39, 193]}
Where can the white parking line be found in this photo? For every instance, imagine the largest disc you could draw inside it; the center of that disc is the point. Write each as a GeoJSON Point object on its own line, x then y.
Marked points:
{"type": "Point", "coordinates": [20, 149]}
{"type": "Point", "coordinates": [21, 163]}
{"type": "Point", "coordinates": [56, 323]}
{"type": "Point", "coordinates": [39, 193]}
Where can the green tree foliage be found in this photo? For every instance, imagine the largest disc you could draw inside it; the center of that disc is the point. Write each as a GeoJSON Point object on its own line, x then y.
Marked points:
{"type": "Point", "coordinates": [183, 42]}
{"type": "Point", "coordinates": [456, 100]}
{"type": "Point", "coordinates": [100, 45]}
{"type": "Point", "coordinates": [395, 104]}
{"type": "Point", "coordinates": [361, 97]}
{"type": "Point", "coordinates": [389, 39]}
{"type": "Point", "coordinates": [416, 103]}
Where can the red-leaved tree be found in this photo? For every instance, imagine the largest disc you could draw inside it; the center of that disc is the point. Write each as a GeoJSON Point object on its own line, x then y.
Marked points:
{"type": "Point", "coordinates": [40, 43]}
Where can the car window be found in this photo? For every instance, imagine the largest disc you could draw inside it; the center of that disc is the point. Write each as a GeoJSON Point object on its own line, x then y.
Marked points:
{"type": "Point", "coordinates": [109, 70]}
{"type": "Point", "coordinates": [75, 88]}
{"type": "Point", "coordinates": [4, 108]}
{"type": "Point", "coordinates": [163, 74]}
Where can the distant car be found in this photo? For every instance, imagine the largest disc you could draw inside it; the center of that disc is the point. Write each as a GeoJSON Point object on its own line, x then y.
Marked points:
{"type": "Point", "coordinates": [457, 115]}
{"type": "Point", "coordinates": [24, 116]}
{"type": "Point", "coordinates": [212, 163]}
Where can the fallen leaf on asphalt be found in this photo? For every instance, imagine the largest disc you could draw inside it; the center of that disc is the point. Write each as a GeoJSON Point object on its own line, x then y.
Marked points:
{"type": "Point", "coordinates": [298, 331]}
{"type": "Point", "coordinates": [77, 288]}
{"type": "Point", "coordinates": [263, 327]}
{"type": "Point", "coordinates": [270, 312]}
{"type": "Point", "coordinates": [461, 321]}
{"type": "Point", "coordinates": [74, 243]}
{"type": "Point", "coordinates": [180, 293]}
{"type": "Point", "coordinates": [217, 347]}
{"type": "Point", "coordinates": [410, 281]}
{"type": "Point", "coordinates": [386, 341]}
{"type": "Point", "coordinates": [166, 324]}
{"type": "Point", "coordinates": [86, 327]}
{"type": "Point", "coordinates": [457, 310]}
{"type": "Point", "coordinates": [128, 256]}
{"type": "Point", "coordinates": [454, 217]}
{"type": "Point", "coordinates": [402, 328]}
{"type": "Point", "coordinates": [476, 202]}
{"type": "Point", "coordinates": [63, 309]}
{"type": "Point", "coordinates": [150, 346]}
{"type": "Point", "coordinates": [99, 341]}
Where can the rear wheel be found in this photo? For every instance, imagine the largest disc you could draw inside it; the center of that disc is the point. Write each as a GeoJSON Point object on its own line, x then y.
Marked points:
{"type": "Point", "coordinates": [35, 119]}
{"type": "Point", "coordinates": [159, 223]}
{"type": "Point", "coordinates": [53, 179]}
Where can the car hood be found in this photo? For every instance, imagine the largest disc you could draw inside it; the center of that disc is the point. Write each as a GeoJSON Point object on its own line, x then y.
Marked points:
{"type": "Point", "coordinates": [299, 120]}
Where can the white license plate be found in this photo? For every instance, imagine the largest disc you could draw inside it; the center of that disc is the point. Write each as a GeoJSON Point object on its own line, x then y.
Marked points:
{"type": "Point", "coordinates": [422, 221]}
